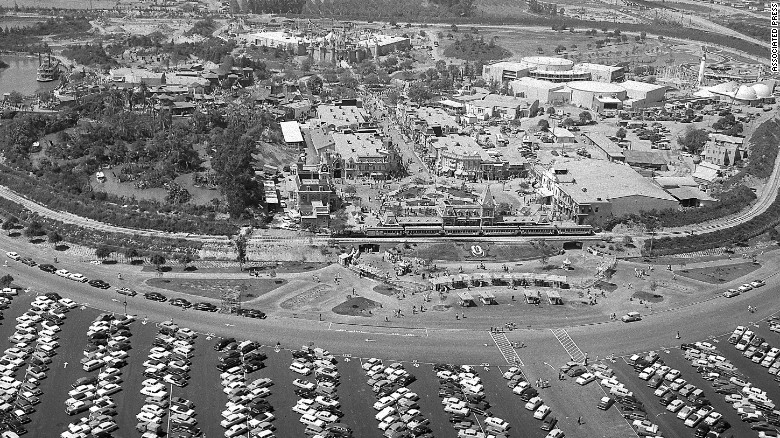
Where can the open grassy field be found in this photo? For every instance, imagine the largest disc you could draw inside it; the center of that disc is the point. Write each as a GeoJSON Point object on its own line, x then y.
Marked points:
{"type": "Point", "coordinates": [214, 288]}
{"type": "Point", "coordinates": [720, 274]}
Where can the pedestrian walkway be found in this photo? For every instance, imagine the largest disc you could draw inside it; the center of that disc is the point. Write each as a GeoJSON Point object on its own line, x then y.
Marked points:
{"type": "Point", "coordinates": [506, 349]}
{"type": "Point", "coordinates": [568, 344]}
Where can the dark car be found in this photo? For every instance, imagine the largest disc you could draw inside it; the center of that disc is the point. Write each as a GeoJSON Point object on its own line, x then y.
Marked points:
{"type": "Point", "coordinates": [28, 261]}
{"type": "Point", "coordinates": [549, 423]}
{"type": "Point", "coordinates": [228, 364]}
{"type": "Point", "coordinates": [155, 296]}
{"type": "Point", "coordinates": [206, 307]}
{"type": "Point", "coordinates": [47, 268]}
{"type": "Point", "coordinates": [253, 366]}
{"type": "Point", "coordinates": [100, 284]}
{"type": "Point", "coordinates": [222, 343]}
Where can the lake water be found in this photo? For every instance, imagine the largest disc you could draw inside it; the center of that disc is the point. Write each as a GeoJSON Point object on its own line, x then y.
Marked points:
{"type": "Point", "coordinates": [20, 76]}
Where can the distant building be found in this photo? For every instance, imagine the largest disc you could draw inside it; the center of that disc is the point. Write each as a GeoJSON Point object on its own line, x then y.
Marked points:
{"type": "Point", "coordinates": [724, 150]}
{"type": "Point", "coordinates": [505, 71]}
{"type": "Point", "coordinates": [593, 191]}
{"type": "Point", "coordinates": [686, 190]}
{"type": "Point", "coordinates": [603, 147]}
{"type": "Point", "coordinates": [462, 157]}
{"type": "Point", "coordinates": [602, 73]}
{"type": "Point", "coordinates": [597, 96]}
{"type": "Point", "coordinates": [291, 131]}
{"type": "Point", "coordinates": [545, 92]}
{"type": "Point", "coordinates": [646, 159]}
{"type": "Point", "coordinates": [285, 40]}
{"type": "Point", "coordinates": [642, 94]}
{"type": "Point", "coordinates": [365, 155]}
{"type": "Point", "coordinates": [494, 105]}
{"type": "Point", "coordinates": [312, 193]}
{"type": "Point", "coordinates": [340, 118]}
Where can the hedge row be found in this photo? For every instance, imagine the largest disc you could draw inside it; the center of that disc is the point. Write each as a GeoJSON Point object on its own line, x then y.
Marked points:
{"type": "Point", "coordinates": [95, 238]}
{"type": "Point", "coordinates": [86, 205]}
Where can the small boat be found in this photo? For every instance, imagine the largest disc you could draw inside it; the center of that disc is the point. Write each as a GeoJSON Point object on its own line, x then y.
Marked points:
{"type": "Point", "coordinates": [47, 70]}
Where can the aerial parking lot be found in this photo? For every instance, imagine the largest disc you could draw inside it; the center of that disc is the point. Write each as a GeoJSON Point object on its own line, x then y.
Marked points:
{"type": "Point", "coordinates": [109, 375]}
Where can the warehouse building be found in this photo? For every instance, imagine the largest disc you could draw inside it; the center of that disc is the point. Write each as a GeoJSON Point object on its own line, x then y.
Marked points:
{"type": "Point", "coordinates": [602, 73]}
{"type": "Point", "coordinates": [593, 191]}
{"type": "Point", "coordinates": [545, 92]}
{"type": "Point", "coordinates": [597, 96]}
{"type": "Point", "coordinates": [505, 71]}
{"type": "Point", "coordinates": [642, 94]}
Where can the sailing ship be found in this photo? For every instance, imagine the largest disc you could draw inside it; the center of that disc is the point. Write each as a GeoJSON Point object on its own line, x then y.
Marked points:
{"type": "Point", "coordinates": [47, 70]}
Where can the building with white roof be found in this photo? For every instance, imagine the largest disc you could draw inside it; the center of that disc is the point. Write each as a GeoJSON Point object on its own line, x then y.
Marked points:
{"type": "Point", "coordinates": [598, 96]}
{"type": "Point", "coordinates": [365, 155]}
{"type": "Point", "coordinates": [295, 43]}
{"type": "Point", "coordinates": [545, 92]}
{"type": "Point", "coordinates": [644, 92]}
{"type": "Point", "coordinates": [601, 72]}
{"type": "Point", "coordinates": [593, 191]}
{"type": "Point", "coordinates": [291, 131]}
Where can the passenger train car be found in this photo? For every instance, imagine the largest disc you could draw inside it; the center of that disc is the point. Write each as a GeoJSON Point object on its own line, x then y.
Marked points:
{"type": "Point", "coordinates": [466, 231]}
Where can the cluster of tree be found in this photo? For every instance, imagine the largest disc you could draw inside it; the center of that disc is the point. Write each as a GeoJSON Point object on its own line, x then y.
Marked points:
{"type": "Point", "coordinates": [154, 39]}
{"type": "Point", "coordinates": [89, 54]}
{"type": "Point", "coordinates": [763, 150]}
{"type": "Point", "coordinates": [270, 6]}
{"type": "Point", "coordinates": [476, 49]}
{"type": "Point", "coordinates": [545, 8]}
{"type": "Point", "coordinates": [210, 49]}
{"type": "Point", "coordinates": [204, 28]}
{"type": "Point", "coordinates": [735, 235]}
{"type": "Point", "coordinates": [729, 202]}
{"type": "Point", "coordinates": [693, 140]}
{"type": "Point", "coordinates": [3, 64]}
{"type": "Point", "coordinates": [728, 125]}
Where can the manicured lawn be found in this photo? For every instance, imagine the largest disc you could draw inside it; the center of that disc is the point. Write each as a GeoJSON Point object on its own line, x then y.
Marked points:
{"type": "Point", "coordinates": [462, 252]}
{"type": "Point", "coordinates": [719, 274]}
{"type": "Point", "coordinates": [250, 288]}
{"type": "Point", "coordinates": [356, 306]}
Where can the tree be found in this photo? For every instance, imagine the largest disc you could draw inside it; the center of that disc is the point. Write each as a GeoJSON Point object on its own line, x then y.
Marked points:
{"type": "Point", "coordinates": [419, 92]}
{"type": "Point", "coordinates": [693, 140]}
{"type": "Point", "coordinates": [184, 259]}
{"type": "Point", "coordinates": [240, 243]}
{"type": "Point", "coordinates": [643, 35]}
{"type": "Point", "coordinates": [103, 252]}
{"type": "Point", "coordinates": [568, 121]}
{"type": "Point", "coordinates": [306, 65]}
{"type": "Point", "coordinates": [54, 238]}
{"type": "Point", "coordinates": [131, 253]}
{"type": "Point", "coordinates": [314, 84]}
{"type": "Point", "coordinates": [551, 111]}
{"type": "Point", "coordinates": [6, 280]}
{"type": "Point", "coordinates": [585, 118]}
{"type": "Point", "coordinates": [544, 125]}
{"type": "Point", "coordinates": [15, 97]}
{"type": "Point", "coordinates": [10, 223]}
{"type": "Point", "coordinates": [454, 28]}
{"type": "Point", "coordinates": [34, 229]}
{"type": "Point", "coordinates": [157, 260]}
{"type": "Point", "coordinates": [621, 133]}
{"type": "Point", "coordinates": [393, 96]}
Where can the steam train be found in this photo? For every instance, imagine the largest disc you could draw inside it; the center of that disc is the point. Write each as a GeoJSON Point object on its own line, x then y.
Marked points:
{"type": "Point", "coordinates": [478, 231]}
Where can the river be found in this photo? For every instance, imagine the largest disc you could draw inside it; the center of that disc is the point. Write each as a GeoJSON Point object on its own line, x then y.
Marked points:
{"type": "Point", "coordinates": [20, 76]}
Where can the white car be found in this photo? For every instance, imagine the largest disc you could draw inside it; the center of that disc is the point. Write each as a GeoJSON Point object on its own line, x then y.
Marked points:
{"type": "Point", "coordinates": [675, 405]}
{"type": "Point", "coordinates": [497, 423]}
{"type": "Point", "coordinates": [586, 378]}
{"type": "Point", "coordinates": [108, 389]}
{"type": "Point", "coordinates": [533, 403]}
{"type": "Point", "coordinates": [13, 256]}
{"type": "Point", "coordinates": [78, 277]}
{"type": "Point", "coordinates": [685, 412]}
{"type": "Point", "coordinates": [541, 412]}
{"type": "Point", "coordinates": [68, 303]}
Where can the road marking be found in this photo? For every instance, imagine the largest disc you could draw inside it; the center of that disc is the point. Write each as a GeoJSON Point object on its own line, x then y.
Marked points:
{"type": "Point", "coordinates": [506, 349]}
{"type": "Point", "coordinates": [568, 344]}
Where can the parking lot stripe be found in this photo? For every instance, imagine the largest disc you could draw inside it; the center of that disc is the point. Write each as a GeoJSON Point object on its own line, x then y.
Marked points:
{"type": "Point", "coordinates": [506, 349]}
{"type": "Point", "coordinates": [568, 344]}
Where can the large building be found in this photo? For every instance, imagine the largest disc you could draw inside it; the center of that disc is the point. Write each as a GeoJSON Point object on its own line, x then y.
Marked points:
{"type": "Point", "coordinates": [545, 92]}
{"type": "Point", "coordinates": [340, 118]}
{"type": "Point", "coordinates": [553, 69]}
{"type": "Point", "coordinates": [462, 157]}
{"type": "Point", "coordinates": [593, 191]}
{"type": "Point", "coordinates": [364, 155]}
{"type": "Point", "coordinates": [291, 42]}
{"type": "Point", "coordinates": [642, 94]}
{"type": "Point", "coordinates": [597, 96]}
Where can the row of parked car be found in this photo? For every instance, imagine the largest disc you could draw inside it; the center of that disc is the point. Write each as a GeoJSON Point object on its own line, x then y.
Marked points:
{"type": "Point", "coordinates": [247, 412]}
{"type": "Point", "coordinates": [318, 403]}
{"type": "Point", "coordinates": [64, 273]}
{"type": "Point", "coordinates": [35, 343]}
{"type": "Point", "coordinates": [731, 293]}
{"type": "Point", "coordinates": [167, 365]}
{"type": "Point", "coordinates": [398, 413]}
{"type": "Point", "coordinates": [752, 403]}
{"type": "Point", "coordinates": [106, 350]}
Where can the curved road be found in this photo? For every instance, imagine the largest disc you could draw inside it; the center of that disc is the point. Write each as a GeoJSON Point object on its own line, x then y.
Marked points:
{"type": "Point", "coordinates": [711, 316]}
